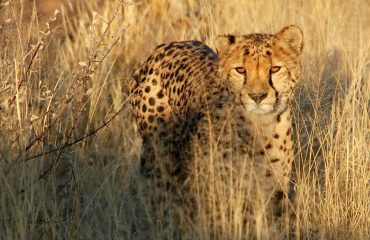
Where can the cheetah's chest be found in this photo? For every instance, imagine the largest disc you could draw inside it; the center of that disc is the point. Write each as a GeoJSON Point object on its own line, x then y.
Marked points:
{"type": "Point", "coordinates": [264, 142]}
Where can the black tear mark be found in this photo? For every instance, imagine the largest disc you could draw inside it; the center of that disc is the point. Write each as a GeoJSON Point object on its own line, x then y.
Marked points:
{"type": "Point", "coordinates": [271, 83]}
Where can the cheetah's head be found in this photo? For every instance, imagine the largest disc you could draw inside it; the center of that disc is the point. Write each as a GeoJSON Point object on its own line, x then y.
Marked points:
{"type": "Point", "coordinates": [262, 69]}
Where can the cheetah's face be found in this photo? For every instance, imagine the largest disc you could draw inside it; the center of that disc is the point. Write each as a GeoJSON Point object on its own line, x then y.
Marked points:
{"type": "Point", "coordinates": [262, 69]}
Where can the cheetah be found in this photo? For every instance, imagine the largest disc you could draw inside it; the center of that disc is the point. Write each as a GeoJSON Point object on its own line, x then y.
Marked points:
{"type": "Point", "coordinates": [232, 106]}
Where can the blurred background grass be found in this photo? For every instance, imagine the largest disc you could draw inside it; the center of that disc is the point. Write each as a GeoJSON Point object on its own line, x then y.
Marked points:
{"type": "Point", "coordinates": [68, 145]}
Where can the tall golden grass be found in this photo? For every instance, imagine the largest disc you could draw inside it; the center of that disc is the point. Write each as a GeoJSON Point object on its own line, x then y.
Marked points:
{"type": "Point", "coordinates": [68, 146]}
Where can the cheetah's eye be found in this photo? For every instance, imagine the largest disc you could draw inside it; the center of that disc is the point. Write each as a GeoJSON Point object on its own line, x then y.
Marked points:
{"type": "Point", "coordinates": [240, 70]}
{"type": "Point", "coordinates": [274, 69]}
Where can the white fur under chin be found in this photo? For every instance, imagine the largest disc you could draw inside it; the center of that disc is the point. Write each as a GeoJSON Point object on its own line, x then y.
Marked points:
{"type": "Point", "coordinates": [260, 109]}
{"type": "Point", "coordinates": [264, 108]}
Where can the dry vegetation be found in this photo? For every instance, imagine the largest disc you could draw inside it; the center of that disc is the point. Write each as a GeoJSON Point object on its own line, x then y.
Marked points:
{"type": "Point", "coordinates": [68, 147]}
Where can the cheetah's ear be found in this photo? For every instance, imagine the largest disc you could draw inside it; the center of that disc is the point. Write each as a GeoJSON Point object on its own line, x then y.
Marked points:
{"type": "Point", "coordinates": [223, 42]}
{"type": "Point", "coordinates": [291, 36]}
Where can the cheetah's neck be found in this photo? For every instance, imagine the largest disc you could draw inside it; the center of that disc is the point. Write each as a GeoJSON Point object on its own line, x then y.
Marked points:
{"type": "Point", "coordinates": [269, 129]}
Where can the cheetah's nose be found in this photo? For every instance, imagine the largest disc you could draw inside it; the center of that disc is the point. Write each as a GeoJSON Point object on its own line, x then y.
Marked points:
{"type": "Point", "coordinates": [257, 97]}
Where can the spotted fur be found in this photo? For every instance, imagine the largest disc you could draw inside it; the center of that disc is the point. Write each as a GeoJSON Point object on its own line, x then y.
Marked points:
{"type": "Point", "coordinates": [188, 99]}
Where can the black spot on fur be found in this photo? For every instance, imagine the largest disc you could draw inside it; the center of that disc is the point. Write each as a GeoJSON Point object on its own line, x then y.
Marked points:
{"type": "Point", "coordinates": [212, 57]}
{"type": "Point", "coordinates": [268, 146]}
{"type": "Point", "coordinates": [169, 46]}
{"type": "Point", "coordinates": [147, 89]}
{"type": "Point", "coordinates": [160, 94]}
{"type": "Point", "coordinates": [279, 195]}
{"type": "Point", "coordinates": [278, 118]}
{"type": "Point", "coordinates": [246, 52]}
{"type": "Point", "coordinates": [151, 101]}
{"type": "Point", "coordinates": [268, 53]}
{"type": "Point", "coordinates": [180, 78]}
{"type": "Point", "coordinates": [151, 118]}
{"type": "Point", "coordinates": [162, 134]}
{"type": "Point", "coordinates": [150, 58]}
{"type": "Point", "coordinates": [276, 136]}
{"type": "Point", "coordinates": [166, 84]}
{"type": "Point", "coordinates": [182, 65]}
{"type": "Point", "coordinates": [161, 45]}
{"type": "Point", "coordinates": [274, 160]}
{"type": "Point", "coordinates": [159, 57]}
{"type": "Point", "coordinates": [170, 52]}
{"type": "Point", "coordinates": [160, 109]}
{"type": "Point", "coordinates": [143, 108]}
{"type": "Point", "coordinates": [197, 43]}
{"type": "Point", "coordinates": [160, 120]}
{"type": "Point", "coordinates": [231, 38]}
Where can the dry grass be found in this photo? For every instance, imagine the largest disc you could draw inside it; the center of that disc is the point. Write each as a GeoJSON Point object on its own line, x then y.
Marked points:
{"type": "Point", "coordinates": [68, 147]}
